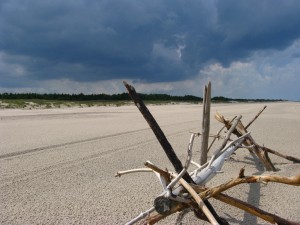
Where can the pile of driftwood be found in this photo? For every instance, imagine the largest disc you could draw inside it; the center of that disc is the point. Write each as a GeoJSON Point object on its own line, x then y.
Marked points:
{"type": "Point", "coordinates": [183, 189]}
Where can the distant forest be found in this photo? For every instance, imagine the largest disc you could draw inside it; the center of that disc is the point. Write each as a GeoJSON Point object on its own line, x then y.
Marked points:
{"type": "Point", "coordinates": [122, 97]}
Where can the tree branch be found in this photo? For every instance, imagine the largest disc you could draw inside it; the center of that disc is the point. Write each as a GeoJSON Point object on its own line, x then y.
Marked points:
{"type": "Point", "coordinates": [158, 132]}
{"type": "Point", "coordinates": [216, 192]}
{"type": "Point", "coordinates": [271, 218]}
{"type": "Point", "coordinates": [210, 192]}
{"type": "Point", "coordinates": [290, 158]}
{"type": "Point", "coordinates": [120, 173]}
{"type": "Point", "coordinates": [258, 114]}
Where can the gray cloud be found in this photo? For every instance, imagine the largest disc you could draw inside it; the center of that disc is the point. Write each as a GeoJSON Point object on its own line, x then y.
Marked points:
{"type": "Point", "coordinates": [152, 41]}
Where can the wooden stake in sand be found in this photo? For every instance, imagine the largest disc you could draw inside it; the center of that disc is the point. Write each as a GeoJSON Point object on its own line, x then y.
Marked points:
{"type": "Point", "coordinates": [205, 123]}
{"type": "Point", "coordinates": [183, 189]}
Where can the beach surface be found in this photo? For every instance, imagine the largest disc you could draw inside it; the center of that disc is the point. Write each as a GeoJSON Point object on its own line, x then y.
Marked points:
{"type": "Point", "coordinates": [57, 166]}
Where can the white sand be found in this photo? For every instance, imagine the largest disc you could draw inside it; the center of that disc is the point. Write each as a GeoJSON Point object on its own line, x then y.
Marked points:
{"type": "Point", "coordinates": [57, 166]}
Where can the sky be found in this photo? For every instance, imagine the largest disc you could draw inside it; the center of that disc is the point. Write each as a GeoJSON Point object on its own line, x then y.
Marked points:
{"type": "Point", "coordinates": [247, 49]}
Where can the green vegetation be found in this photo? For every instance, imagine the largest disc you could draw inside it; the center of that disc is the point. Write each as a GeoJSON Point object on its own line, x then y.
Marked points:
{"type": "Point", "coordinates": [224, 99]}
{"type": "Point", "coordinates": [97, 97]}
{"type": "Point", "coordinates": [41, 103]}
{"type": "Point", "coordinates": [34, 100]}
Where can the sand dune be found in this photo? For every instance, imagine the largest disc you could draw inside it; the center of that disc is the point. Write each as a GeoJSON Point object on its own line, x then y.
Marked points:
{"type": "Point", "coordinates": [57, 166]}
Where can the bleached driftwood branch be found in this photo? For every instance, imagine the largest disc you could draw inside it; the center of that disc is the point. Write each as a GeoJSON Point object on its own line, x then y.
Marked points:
{"type": "Point", "coordinates": [120, 173]}
{"type": "Point", "coordinates": [232, 128]}
{"type": "Point", "coordinates": [218, 134]}
{"type": "Point", "coordinates": [199, 201]}
{"type": "Point", "coordinates": [175, 197]}
{"type": "Point", "coordinates": [239, 131]}
{"type": "Point", "coordinates": [201, 177]}
{"type": "Point", "coordinates": [216, 192]}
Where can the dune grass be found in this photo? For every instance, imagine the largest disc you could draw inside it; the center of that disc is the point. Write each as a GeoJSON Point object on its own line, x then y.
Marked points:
{"type": "Point", "coordinates": [39, 103]}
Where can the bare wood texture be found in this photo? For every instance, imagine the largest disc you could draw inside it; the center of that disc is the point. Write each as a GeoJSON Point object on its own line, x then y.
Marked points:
{"type": "Point", "coordinates": [205, 123]}
{"type": "Point", "coordinates": [120, 173]}
{"type": "Point", "coordinates": [269, 217]}
{"type": "Point", "coordinates": [163, 140]}
{"type": "Point", "coordinates": [210, 192]}
{"type": "Point", "coordinates": [258, 114]}
{"type": "Point", "coordinates": [163, 173]}
{"type": "Point", "coordinates": [230, 130]}
{"type": "Point", "coordinates": [290, 158]}
{"type": "Point", "coordinates": [199, 201]}
{"type": "Point", "coordinates": [218, 135]}
{"type": "Point", "coordinates": [239, 131]}
{"type": "Point", "coordinates": [158, 132]}
{"type": "Point", "coordinates": [216, 192]}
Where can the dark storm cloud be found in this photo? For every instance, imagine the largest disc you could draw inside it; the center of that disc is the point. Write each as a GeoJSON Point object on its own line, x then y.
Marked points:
{"type": "Point", "coordinates": [149, 40]}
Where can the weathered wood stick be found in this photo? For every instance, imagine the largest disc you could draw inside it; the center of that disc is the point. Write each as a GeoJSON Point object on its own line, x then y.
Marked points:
{"type": "Point", "coordinates": [257, 115]}
{"type": "Point", "coordinates": [290, 158]}
{"type": "Point", "coordinates": [163, 140]}
{"type": "Point", "coordinates": [218, 135]}
{"type": "Point", "coordinates": [269, 217]}
{"type": "Point", "coordinates": [210, 192]}
{"type": "Point", "coordinates": [232, 128]}
{"type": "Point", "coordinates": [120, 173]}
{"type": "Point", "coordinates": [205, 123]}
{"type": "Point", "coordinates": [157, 131]}
{"type": "Point", "coordinates": [230, 131]}
{"type": "Point", "coordinates": [206, 193]}
{"type": "Point", "coordinates": [239, 131]}
{"type": "Point", "coordinates": [163, 173]}
{"type": "Point", "coordinates": [175, 206]}
{"type": "Point", "coordinates": [199, 201]}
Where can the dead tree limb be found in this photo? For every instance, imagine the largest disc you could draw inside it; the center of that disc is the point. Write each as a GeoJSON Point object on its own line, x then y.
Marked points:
{"type": "Point", "coordinates": [120, 173]}
{"type": "Point", "coordinates": [205, 123]}
{"type": "Point", "coordinates": [257, 115]}
{"type": "Point", "coordinates": [158, 132]}
{"type": "Point", "coordinates": [210, 192]}
{"type": "Point", "coordinates": [216, 192]}
{"type": "Point", "coordinates": [239, 131]}
{"type": "Point", "coordinates": [290, 158]}
{"type": "Point", "coordinates": [269, 217]}
{"type": "Point", "coordinates": [199, 201]}
{"type": "Point", "coordinates": [163, 140]}
{"type": "Point", "coordinates": [218, 135]}
{"type": "Point", "coordinates": [163, 173]}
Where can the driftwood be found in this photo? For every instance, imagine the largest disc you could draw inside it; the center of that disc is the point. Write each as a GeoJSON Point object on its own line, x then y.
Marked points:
{"type": "Point", "coordinates": [216, 192]}
{"type": "Point", "coordinates": [157, 131]}
{"type": "Point", "coordinates": [290, 158]}
{"type": "Point", "coordinates": [199, 201]}
{"type": "Point", "coordinates": [257, 115]}
{"type": "Point", "coordinates": [205, 124]}
{"type": "Point", "coordinates": [269, 217]}
{"type": "Point", "coordinates": [260, 151]}
{"type": "Point", "coordinates": [183, 189]}
{"type": "Point", "coordinates": [162, 139]}
{"type": "Point", "coordinates": [239, 131]}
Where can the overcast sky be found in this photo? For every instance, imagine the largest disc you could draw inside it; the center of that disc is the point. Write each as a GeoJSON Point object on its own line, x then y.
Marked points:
{"type": "Point", "coordinates": [247, 49]}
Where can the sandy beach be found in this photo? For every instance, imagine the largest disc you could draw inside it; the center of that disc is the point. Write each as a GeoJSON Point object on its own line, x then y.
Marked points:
{"type": "Point", "coordinates": [57, 166]}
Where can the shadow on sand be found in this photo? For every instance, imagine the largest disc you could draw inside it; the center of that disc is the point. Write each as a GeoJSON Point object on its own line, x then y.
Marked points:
{"type": "Point", "coordinates": [254, 192]}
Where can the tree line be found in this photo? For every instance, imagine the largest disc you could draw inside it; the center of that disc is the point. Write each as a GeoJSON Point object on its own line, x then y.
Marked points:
{"type": "Point", "coordinates": [122, 97]}
{"type": "Point", "coordinates": [97, 97]}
